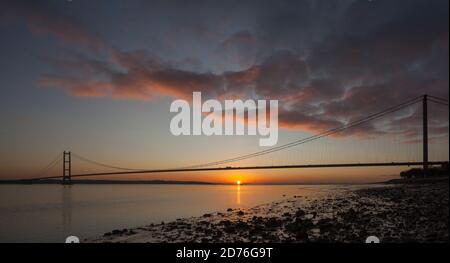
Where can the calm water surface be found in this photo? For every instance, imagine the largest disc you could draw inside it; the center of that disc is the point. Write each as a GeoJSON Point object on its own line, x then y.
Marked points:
{"type": "Point", "coordinates": [50, 213]}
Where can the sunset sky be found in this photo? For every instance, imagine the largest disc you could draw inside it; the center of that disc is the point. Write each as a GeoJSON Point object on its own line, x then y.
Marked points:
{"type": "Point", "coordinates": [97, 78]}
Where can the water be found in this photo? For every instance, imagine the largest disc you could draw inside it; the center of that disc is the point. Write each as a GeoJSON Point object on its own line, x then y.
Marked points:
{"type": "Point", "coordinates": [50, 213]}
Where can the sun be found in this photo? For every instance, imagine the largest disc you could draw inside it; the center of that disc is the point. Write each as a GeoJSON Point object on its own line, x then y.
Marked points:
{"type": "Point", "coordinates": [238, 182]}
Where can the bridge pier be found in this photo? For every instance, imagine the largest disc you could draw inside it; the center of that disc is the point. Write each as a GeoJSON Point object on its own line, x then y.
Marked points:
{"type": "Point", "coordinates": [67, 168]}
{"type": "Point", "coordinates": [425, 134]}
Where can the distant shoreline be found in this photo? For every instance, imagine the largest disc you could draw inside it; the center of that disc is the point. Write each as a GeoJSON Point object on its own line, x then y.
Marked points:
{"type": "Point", "coordinates": [169, 182]}
{"type": "Point", "coordinates": [160, 182]}
{"type": "Point", "coordinates": [25, 182]}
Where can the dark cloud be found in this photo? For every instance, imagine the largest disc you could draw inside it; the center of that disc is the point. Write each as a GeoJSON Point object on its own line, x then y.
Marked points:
{"type": "Point", "coordinates": [41, 19]}
{"type": "Point", "coordinates": [241, 48]}
{"type": "Point", "coordinates": [328, 62]}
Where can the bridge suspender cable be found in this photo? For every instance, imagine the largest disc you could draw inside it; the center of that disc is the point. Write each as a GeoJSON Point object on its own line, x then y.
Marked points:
{"type": "Point", "coordinates": [315, 137]}
{"type": "Point", "coordinates": [102, 164]}
{"type": "Point", "coordinates": [320, 135]}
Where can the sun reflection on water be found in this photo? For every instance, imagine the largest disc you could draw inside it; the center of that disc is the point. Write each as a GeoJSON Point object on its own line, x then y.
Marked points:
{"type": "Point", "coordinates": [238, 194]}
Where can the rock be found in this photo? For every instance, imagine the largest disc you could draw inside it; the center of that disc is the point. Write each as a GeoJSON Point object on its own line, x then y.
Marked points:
{"type": "Point", "coordinates": [273, 222]}
{"type": "Point", "coordinates": [300, 213]}
{"type": "Point", "coordinates": [230, 229]}
{"type": "Point", "coordinates": [204, 223]}
{"type": "Point", "coordinates": [131, 232]}
{"type": "Point", "coordinates": [301, 235]}
{"type": "Point", "coordinates": [256, 230]}
{"type": "Point", "coordinates": [241, 225]}
{"type": "Point", "coordinates": [116, 232]}
{"type": "Point", "coordinates": [225, 222]}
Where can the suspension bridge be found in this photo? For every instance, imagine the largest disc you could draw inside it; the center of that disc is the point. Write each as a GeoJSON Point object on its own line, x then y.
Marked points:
{"type": "Point", "coordinates": [224, 164]}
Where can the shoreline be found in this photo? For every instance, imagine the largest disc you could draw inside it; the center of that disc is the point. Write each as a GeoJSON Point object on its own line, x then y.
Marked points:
{"type": "Point", "coordinates": [416, 212]}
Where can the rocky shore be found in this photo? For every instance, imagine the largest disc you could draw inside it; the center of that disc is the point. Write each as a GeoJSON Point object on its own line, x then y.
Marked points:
{"type": "Point", "coordinates": [393, 213]}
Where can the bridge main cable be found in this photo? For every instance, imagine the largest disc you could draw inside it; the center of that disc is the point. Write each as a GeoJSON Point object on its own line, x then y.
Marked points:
{"type": "Point", "coordinates": [315, 137]}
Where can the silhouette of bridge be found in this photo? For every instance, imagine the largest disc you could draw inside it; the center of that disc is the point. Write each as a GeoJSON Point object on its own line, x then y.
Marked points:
{"type": "Point", "coordinates": [66, 157]}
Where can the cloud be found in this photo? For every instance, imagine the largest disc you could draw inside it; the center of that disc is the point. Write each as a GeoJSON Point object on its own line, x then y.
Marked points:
{"type": "Point", "coordinates": [327, 62]}
{"type": "Point", "coordinates": [77, 87]}
{"type": "Point", "coordinates": [241, 48]}
{"type": "Point", "coordinates": [43, 20]}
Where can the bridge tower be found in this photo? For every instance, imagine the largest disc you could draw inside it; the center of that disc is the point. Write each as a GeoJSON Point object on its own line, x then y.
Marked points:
{"type": "Point", "coordinates": [67, 168]}
{"type": "Point", "coordinates": [425, 134]}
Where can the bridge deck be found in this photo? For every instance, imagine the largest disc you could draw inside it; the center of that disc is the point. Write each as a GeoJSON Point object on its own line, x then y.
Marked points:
{"type": "Point", "coordinates": [300, 166]}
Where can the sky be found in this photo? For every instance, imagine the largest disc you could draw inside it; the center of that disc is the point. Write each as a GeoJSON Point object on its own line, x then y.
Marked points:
{"type": "Point", "coordinates": [97, 78]}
